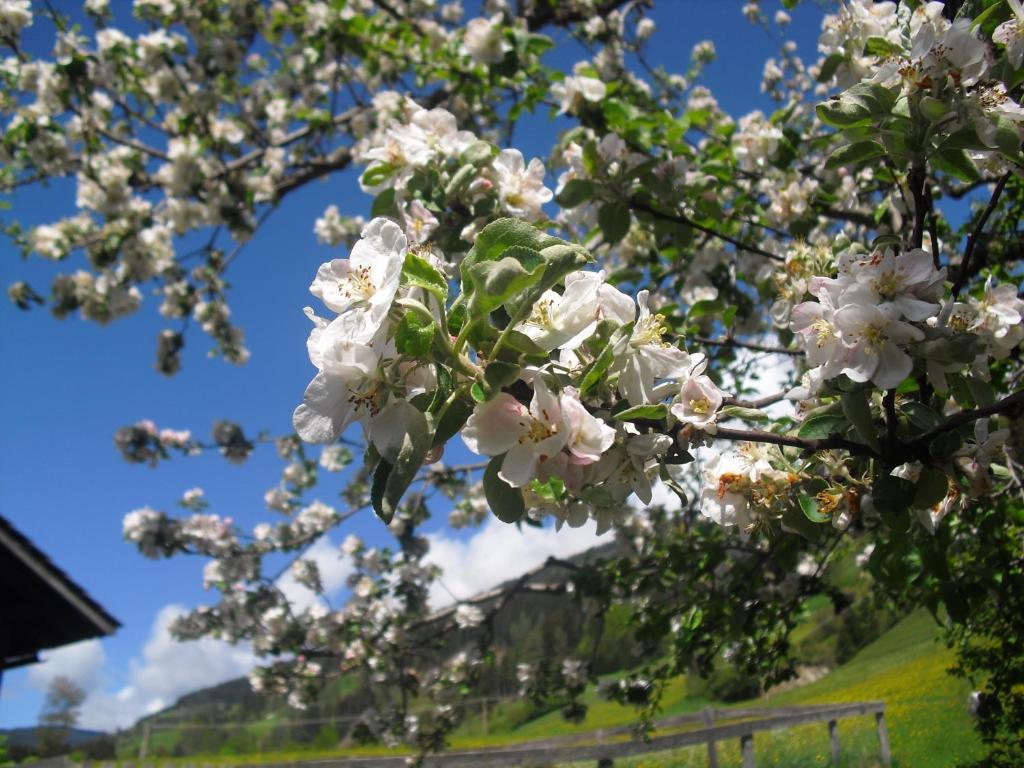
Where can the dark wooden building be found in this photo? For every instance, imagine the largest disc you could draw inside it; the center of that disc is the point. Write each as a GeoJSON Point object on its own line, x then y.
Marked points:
{"type": "Point", "coordinates": [40, 607]}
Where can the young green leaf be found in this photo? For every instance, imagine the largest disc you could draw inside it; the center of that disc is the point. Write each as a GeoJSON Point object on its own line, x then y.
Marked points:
{"type": "Point", "coordinates": [505, 501]}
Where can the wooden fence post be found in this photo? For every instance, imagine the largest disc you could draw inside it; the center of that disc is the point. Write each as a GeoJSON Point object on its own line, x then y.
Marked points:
{"type": "Point", "coordinates": [485, 716]}
{"type": "Point", "coordinates": [833, 737]}
{"type": "Point", "coordinates": [883, 739]}
{"type": "Point", "coordinates": [709, 721]}
{"type": "Point", "coordinates": [144, 746]}
{"type": "Point", "coordinates": [747, 748]}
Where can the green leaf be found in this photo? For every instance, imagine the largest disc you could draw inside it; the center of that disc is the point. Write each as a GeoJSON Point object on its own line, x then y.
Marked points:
{"type": "Point", "coordinates": [451, 421]}
{"type": "Point", "coordinates": [414, 335]}
{"type": "Point", "coordinates": [377, 174]}
{"type": "Point", "coordinates": [552, 489]}
{"type": "Point", "coordinates": [575, 192]}
{"type": "Point", "coordinates": [984, 16]}
{"type": "Point", "coordinates": [809, 507]}
{"type": "Point", "coordinates": [823, 425]}
{"type": "Point", "coordinates": [403, 441]}
{"type": "Point", "coordinates": [857, 409]}
{"type": "Point", "coordinates": [981, 391]}
{"type": "Point", "coordinates": [643, 413]}
{"type": "Point", "coordinates": [879, 46]}
{"type": "Point", "coordinates": [595, 372]}
{"type": "Point", "coordinates": [921, 416]}
{"type": "Point", "coordinates": [934, 110]}
{"type": "Point", "coordinates": [959, 348]}
{"type": "Point", "coordinates": [829, 67]}
{"type": "Point", "coordinates": [384, 205]}
{"type": "Point", "coordinates": [705, 308]}
{"type": "Point", "coordinates": [931, 488]}
{"type": "Point", "coordinates": [859, 105]}
{"type": "Point", "coordinates": [477, 392]}
{"type": "Point", "coordinates": [381, 473]}
{"type": "Point", "coordinates": [1007, 138]}
{"type": "Point", "coordinates": [499, 374]}
{"type": "Point", "coordinates": [746, 414]}
{"type": "Point", "coordinates": [852, 154]}
{"type": "Point", "coordinates": [495, 282]}
{"type": "Point", "coordinates": [892, 497]}
{"type": "Point", "coordinates": [478, 153]}
{"type": "Point", "coordinates": [419, 272]}
{"type": "Point", "coordinates": [510, 256]}
{"type": "Point", "coordinates": [956, 163]}
{"type": "Point", "coordinates": [505, 501]}
{"type": "Point", "coordinates": [493, 239]}
{"type": "Point", "coordinates": [883, 241]}
{"type": "Point", "coordinates": [795, 521]}
{"type": "Point", "coordinates": [613, 219]}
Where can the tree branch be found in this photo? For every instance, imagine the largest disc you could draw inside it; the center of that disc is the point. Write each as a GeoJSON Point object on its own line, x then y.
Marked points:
{"type": "Point", "coordinates": [972, 239]}
{"type": "Point", "coordinates": [682, 218]}
{"type": "Point", "coordinates": [810, 446]}
{"type": "Point", "coordinates": [731, 342]}
{"type": "Point", "coordinates": [1008, 403]}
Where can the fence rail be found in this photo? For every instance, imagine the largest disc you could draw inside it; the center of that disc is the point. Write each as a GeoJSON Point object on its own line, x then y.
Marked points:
{"type": "Point", "coordinates": [607, 745]}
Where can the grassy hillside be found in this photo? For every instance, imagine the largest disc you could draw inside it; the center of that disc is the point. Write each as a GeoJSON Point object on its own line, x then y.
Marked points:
{"type": "Point", "coordinates": [929, 726]}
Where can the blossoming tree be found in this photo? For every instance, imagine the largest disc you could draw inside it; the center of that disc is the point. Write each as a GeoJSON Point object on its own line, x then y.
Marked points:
{"type": "Point", "coordinates": [589, 328]}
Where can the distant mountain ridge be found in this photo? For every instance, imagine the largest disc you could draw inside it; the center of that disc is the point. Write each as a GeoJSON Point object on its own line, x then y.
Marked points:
{"type": "Point", "coordinates": [29, 737]}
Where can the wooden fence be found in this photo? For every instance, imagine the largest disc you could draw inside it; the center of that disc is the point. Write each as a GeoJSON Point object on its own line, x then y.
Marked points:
{"type": "Point", "coordinates": [601, 746]}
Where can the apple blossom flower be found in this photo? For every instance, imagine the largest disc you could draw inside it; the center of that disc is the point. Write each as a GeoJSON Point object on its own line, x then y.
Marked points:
{"type": "Point", "coordinates": [875, 337]}
{"type": "Point", "coordinates": [566, 320]}
{"type": "Point", "coordinates": [814, 322]}
{"type": "Point", "coordinates": [484, 41]}
{"type": "Point", "coordinates": [646, 356]}
{"type": "Point", "coordinates": [369, 278]}
{"type": "Point", "coordinates": [577, 89]}
{"type": "Point", "coordinates": [344, 390]}
{"type": "Point", "coordinates": [532, 436]}
{"type": "Point", "coordinates": [520, 187]}
{"type": "Point", "coordinates": [699, 398]}
{"type": "Point", "coordinates": [1011, 34]}
{"type": "Point", "coordinates": [420, 223]}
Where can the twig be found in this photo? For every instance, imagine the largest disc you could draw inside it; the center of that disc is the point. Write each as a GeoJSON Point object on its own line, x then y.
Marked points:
{"type": "Point", "coordinates": [731, 342]}
{"type": "Point", "coordinates": [811, 446]}
{"type": "Point", "coordinates": [972, 239]}
{"type": "Point", "coordinates": [1008, 403]}
{"type": "Point", "coordinates": [682, 218]}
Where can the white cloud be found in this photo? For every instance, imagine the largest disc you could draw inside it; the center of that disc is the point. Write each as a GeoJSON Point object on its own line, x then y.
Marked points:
{"type": "Point", "coordinates": [334, 570]}
{"type": "Point", "coordinates": [499, 552]}
{"type": "Point", "coordinates": [80, 662]}
{"type": "Point", "coordinates": [167, 669]}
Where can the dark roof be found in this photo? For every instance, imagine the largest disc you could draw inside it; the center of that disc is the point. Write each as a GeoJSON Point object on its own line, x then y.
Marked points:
{"type": "Point", "coordinates": [41, 607]}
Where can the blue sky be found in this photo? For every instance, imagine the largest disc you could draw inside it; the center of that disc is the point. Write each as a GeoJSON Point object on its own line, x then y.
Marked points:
{"type": "Point", "coordinates": [69, 384]}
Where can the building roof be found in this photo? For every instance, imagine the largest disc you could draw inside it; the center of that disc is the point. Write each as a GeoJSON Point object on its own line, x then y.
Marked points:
{"type": "Point", "coordinates": [41, 606]}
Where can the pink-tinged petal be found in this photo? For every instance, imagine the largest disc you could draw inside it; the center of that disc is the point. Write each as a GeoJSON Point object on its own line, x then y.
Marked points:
{"type": "Point", "coordinates": [861, 364]}
{"type": "Point", "coordinates": [851, 319]}
{"type": "Point", "coordinates": [326, 284]}
{"type": "Point", "coordinates": [916, 310]}
{"type": "Point", "coordinates": [519, 466]}
{"type": "Point", "coordinates": [903, 333]}
{"type": "Point", "coordinates": [545, 407]}
{"type": "Point", "coordinates": [894, 365]}
{"type": "Point", "coordinates": [325, 410]}
{"type": "Point", "coordinates": [805, 315]}
{"type": "Point", "coordinates": [915, 266]}
{"type": "Point", "coordinates": [496, 426]}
